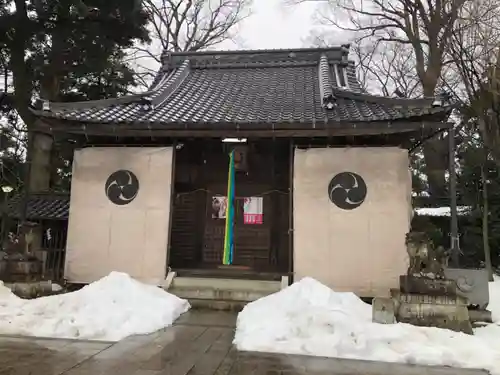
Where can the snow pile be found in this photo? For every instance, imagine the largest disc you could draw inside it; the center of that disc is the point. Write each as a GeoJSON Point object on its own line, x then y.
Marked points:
{"type": "Point", "coordinates": [6, 294]}
{"type": "Point", "coordinates": [494, 305]}
{"type": "Point", "coordinates": [110, 309]}
{"type": "Point", "coordinates": [309, 318]}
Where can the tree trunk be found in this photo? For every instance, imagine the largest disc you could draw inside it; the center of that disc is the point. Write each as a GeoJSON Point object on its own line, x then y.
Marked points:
{"type": "Point", "coordinates": [40, 161]}
{"type": "Point", "coordinates": [435, 151]}
{"type": "Point", "coordinates": [485, 223]}
{"type": "Point", "coordinates": [435, 167]}
{"type": "Point", "coordinates": [37, 177]}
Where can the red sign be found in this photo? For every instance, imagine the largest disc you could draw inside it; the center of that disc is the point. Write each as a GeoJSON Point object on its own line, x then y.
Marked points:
{"type": "Point", "coordinates": [253, 218]}
{"type": "Point", "coordinates": [253, 212]}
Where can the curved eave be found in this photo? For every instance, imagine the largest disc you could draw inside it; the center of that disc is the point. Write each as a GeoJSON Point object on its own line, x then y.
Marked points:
{"type": "Point", "coordinates": [230, 129]}
{"type": "Point", "coordinates": [396, 102]}
{"type": "Point", "coordinates": [155, 90]}
{"type": "Point", "coordinates": [419, 114]}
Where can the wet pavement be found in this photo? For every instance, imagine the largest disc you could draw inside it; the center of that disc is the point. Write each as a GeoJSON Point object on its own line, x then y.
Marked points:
{"type": "Point", "coordinates": [198, 344]}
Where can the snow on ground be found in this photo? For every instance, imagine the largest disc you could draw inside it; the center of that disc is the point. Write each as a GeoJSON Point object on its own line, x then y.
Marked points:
{"type": "Point", "coordinates": [309, 318]}
{"type": "Point", "coordinates": [110, 309]}
{"type": "Point", "coordinates": [441, 211]}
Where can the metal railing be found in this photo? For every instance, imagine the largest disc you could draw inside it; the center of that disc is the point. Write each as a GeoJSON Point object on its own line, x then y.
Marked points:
{"type": "Point", "coordinates": [53, 249]}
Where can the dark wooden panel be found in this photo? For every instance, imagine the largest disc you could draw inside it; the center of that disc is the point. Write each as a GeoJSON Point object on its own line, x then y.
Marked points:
{"type": "Point", "coordinates": [213, 244]}
{"type": "Point", "coordinates": [283, 250]}
{"type": "Point", "coordinates": [183, 252]}
{"type": "Point", "coordinates": [252, 243]}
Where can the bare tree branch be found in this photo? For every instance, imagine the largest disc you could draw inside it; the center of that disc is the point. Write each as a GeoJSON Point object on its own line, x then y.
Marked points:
{"type": "Point", "coordinates": [475, 49]}
{"type": "Point", "coordinates": [188, 25]}
{"type": "Point", "coordinates": [409, 39]}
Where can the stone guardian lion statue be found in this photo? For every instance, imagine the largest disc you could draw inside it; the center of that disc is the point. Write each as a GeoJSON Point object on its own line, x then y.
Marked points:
{"type": "Point", "coordinates": [425, 260]}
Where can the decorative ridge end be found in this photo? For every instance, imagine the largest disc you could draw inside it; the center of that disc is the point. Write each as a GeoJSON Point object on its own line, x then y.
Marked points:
{"type": "Point", "coordinates": [170, 85]}
{"type": "Point", "coordinates": [344, 48]}
{"type": "Point", "coordinates": [328, 99]}
{"type": "Point", "coordinates": [441, 99]}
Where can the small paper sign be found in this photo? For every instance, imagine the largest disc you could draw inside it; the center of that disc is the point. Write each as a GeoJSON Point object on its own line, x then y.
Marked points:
{"type": "Point", "coordinates": [253, 210]}
{"type": "Point", "coordinates": [219, 207]}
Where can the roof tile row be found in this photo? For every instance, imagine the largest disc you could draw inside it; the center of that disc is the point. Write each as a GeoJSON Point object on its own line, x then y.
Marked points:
{"type": "Point", "coordinates": [42, 206]}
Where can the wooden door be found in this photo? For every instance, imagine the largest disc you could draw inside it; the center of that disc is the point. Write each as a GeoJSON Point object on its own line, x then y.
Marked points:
{"type": "Point", "coordinates": [252, 242]}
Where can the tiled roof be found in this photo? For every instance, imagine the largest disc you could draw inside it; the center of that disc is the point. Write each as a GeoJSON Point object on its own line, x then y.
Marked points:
{"type": "Point", "coordinates": [246, 87]}
{"type": "Point", "coordinates": [41, 206]}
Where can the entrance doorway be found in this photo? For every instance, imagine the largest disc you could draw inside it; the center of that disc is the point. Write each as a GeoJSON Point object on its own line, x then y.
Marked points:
{"type": "Point", "coordinates": [261, 232]}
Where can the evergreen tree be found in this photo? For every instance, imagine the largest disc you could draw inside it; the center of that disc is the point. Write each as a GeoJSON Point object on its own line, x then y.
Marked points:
{"type": "Point", "coordinates": [65, 50]}
{"type": "Point", "coordinates": [478, 172]}
{"type": "Point", "coordinates": [12, 145]}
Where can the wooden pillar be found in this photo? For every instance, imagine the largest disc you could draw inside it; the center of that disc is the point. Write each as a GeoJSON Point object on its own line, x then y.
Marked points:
{"type": "Point", "coordinates": [455, 245]}
{"type": "Point", "coordinates": [275, 226]}
{"type": "Point", "coordinates": [172, 204]}
{"type": "Point", "coordinates": [290, 214]}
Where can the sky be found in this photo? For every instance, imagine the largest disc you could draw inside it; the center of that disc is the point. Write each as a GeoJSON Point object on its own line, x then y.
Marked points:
{"type": "Point", "coordinates": [271, 25]}
{"type": "Point", "coordinates": [275, 25]}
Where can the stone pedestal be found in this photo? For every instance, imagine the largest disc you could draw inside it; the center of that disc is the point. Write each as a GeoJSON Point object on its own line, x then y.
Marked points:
{"type": "Point", "coordinates": [434, 311]}
{"type": "Point", "coordinates": [20, 263]}
{"type": "Point", "coordinates": [426, 286]}
{"type": "Point", "coordinates": [424, 302]}
{"type": "Point", "coordinates": [24, 270]}
{"type": "Point", "coordinates": [480, 316]}
{"type": "Point", "coordinates": [383, 311]}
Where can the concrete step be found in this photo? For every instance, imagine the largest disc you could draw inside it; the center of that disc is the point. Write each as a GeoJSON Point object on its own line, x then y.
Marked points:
{"type": "Point", "coordinates": [221, 294]}
{"type": "Point", "coordinates": [206, 304]}
{"type": "Point", "coordinates": [226, 284]}
{"type": "Point", "coordinates": [210, 293]}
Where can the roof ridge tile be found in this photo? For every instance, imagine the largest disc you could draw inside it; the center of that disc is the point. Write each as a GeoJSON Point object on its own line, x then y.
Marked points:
{"type": "Point", "coordinates": [170, 85]}
{"type": "Point", "coordinates": [325, 83]}
{"type": "Point", "coordinates": [172, 60]}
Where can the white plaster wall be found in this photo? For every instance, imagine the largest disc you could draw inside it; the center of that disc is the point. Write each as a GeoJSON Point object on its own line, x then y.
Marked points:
{"type": "Point", "coordinates": [361, 250]}
{"type": "Point", "coordinates": [104, 237]}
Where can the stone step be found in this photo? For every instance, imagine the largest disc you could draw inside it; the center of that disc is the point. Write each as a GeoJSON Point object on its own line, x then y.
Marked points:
{"type": "Point", "coordinates": [210, 293]}
{"type": "Point", "coordinates": [217, 305]}
{"type": "Point", "coordinates": [221, 294]}
{"type": "Point", "coordinates": [226, 284]}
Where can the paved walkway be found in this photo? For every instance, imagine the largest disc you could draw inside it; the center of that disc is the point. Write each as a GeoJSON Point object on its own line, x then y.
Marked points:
{"type": "Point", "coordinates": [198, 344]}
